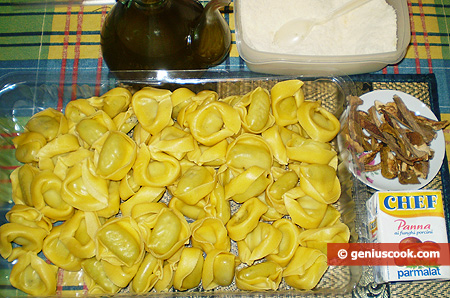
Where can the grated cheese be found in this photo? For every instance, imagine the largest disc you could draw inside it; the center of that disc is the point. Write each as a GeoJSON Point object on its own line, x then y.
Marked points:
{"type": "Point", "coordinates": [369, 29]}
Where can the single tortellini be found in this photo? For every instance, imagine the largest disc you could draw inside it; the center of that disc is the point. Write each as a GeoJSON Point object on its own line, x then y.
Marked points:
{"type": "Point", "coordinates": [58, 253]}
{"type": "Point", "coordinates": [247, 151]}
{"type": "Point", "coordinates": [78, 234]}
{"type": "Point", "coordinates": [140, 135]}
{"type": "Point", "coordinates": [259, 243]}
{"type": "Point", "coordinates": [200, 99]}
{"type": "Point", "coordinates": [165, 282]}
{"type": "Point", "coordinates": [283, 181]}
{"type": "Point", "coordinates": [92, 128]}
{"type": "Point", "coordinates": [213, 156]}
{"type": "Point", "coordinates": [119, 242]}
{"type": "Point", "coordinates": [145, 194]}
{"type": "Point", "coordinates": [153, 108]}
{"type": "Point", "coordinates": [173, 141]}
{"type": "Point", "coordinates": [287, 96]}
{"type": "Point", "coordinates": [33, 275]}
{"type": "Point", "coordinates": [271, 214]}
{"type": "Point", "coordinates": [149, 272]}
{"type": "Point", "coordinates": [288, 244]}
{"type": "Point", "coordinates": [319, 124]}
{"type": "Point", "coordinates": [146, 214]}
{"type": "Point", "coordinates": [218, 269]}
{"type": "Point", "coordinates": [318, 238]}
{"type": "Point", "coordinates": [274, 138]}
{"type": "Point", "coordinates": [304, 210]}
{"type": "Point", "coordinates": [194, 184]}
{"type": "Point", "coordinates": [332, 216]}
{"type": "Point", "coordinates": [245, 219]}
{"type": "Point", "coordinates": [113, 201]}
{"type": "Point", "coordinates": [245, 185]}
{"type": "Point", "coordinates": [116, 101]}
{"type": "Point", "coordinates": [115, 154]}
{"type": "Point", "coordinates": [28, 216]}
{"type": "Point", "coordinates": [210, 233]}
{"type": "Point", "coordinates": [194, 212]}
{"type": "Point", "coordinates": [28, 238]}
{"type": "Point", "coordinates": [61, 144]}
{"type": "Point", "coordinates": [84, 190]}
{"type": "Point", "coordinates": [66, 161]}
{"type": "Point", "coordinates": [50, 123]}
{"type": "Point", "coordinates": [77, 110]}
{"type": "Point", "coordinates": [27, 146]}
{"type": "Point", "coordinates": [254, 109]}
{"type": "Point", "coordinates": [320, 182]}
{"type": "Point", "coordinates": [180, 97]}
{"type": "Point", "coordinates": [306, 268]}
{"type": "Point", "coordinates": [46, 196]}
{"type": "Point", "coordinates": [96, 278]}
{"type": "Point", "coordinates": [120, 275]}
{"type": "Point", "coordinates": [260, 276]}
{"type": "Point", "coordinates": [310, 151]}
{"type": "Point", "coordinates": [155, 169]}
{"type": "Point", "coordinates": [189, 271]}
{"type": "Point", "coordinates": [217, 206]}
{"type": "Point", "coordinates": [126, 121]}
{"type": "Point", "coordinates": [128, 186]}
{"type": "Point", "coordinates": [169, 233]}
{"type": "Point", "coordinates": [214, 122]}
{"type": "Point", "coordinates": [21, 180]}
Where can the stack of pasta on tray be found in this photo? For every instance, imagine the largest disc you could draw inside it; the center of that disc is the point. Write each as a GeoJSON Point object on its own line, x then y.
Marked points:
{"type": "Point", "coordinates": [159, 190]}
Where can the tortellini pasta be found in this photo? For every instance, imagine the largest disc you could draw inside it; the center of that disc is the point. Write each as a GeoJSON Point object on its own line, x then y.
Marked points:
{"type": "Point", "coordinates": [33, 275]}
{"type": "Point", "coordinates": [319, 124]}
{"type": "Point", "coordinates": [254, 109]}
{"type": "Point", "coordinates": [119, 242]}
{"type": "Point", "coordinates": [218, 269]}
{"type": "Point", "coordinates": [28, 145]}
{"type": "Point", "coordinates": [213, 123]}
{"type": "Point", "coordinates": [210, 233]}
{"type": "Point", "coordinates": [305, 268]}
{"type": "Point", "coordinates": [158, 190]}
{"type": "Point", "coordinates": [189, 271]}
{"type": "Point", "coordinates": [261, 276]}
{"type": "Point", "coordinates": [153, 108]}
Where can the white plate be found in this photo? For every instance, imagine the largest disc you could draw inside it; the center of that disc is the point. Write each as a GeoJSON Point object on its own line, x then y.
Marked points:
{"type": "Point", "coordinates": [375, 179]}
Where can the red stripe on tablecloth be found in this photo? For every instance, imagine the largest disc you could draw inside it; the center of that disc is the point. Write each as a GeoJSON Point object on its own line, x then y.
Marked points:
{"type": "Point", "coordinates": [414, 37]}
{"type": "Point", "coordinates": [59, 286]}
{"type": "Point", "coordinates": [11, 168]}
{"type": "Point", "coordinates": [5, 181]}
{"type": "Point", "coordinates": [7, 147]}
{"type": "Point", "coordinates": [64, 58]}
{"type": "Point", "coordinates": [396, 70]}
{"type": "Point", "coordinates": [8, 135]}
{"type": "Point", "coordinates": [76, 60]}
{"type": "Point", "coordinates": [98, 79]}
{"type": "Point", "coordinates": [425, 35]}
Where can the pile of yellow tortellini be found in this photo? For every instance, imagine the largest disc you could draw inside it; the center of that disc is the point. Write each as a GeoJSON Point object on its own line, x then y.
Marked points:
{"type": "Point", "coordinates": [162, 190]}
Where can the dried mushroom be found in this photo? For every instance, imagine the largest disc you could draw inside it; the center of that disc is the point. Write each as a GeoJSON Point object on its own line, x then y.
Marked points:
{"type": "Point", "coordinates": [400, 137]}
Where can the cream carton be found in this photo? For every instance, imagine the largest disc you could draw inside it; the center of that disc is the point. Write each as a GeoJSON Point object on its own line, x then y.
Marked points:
{"type": "Point", "coordinates": [407, 217]}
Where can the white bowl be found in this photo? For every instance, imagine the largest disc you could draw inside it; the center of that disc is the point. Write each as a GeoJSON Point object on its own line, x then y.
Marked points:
{"type": "Point", "coordinates": [288, 64]}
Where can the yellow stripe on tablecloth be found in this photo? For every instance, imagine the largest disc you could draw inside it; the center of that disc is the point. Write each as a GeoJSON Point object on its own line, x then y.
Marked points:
{"type": "Point", "coordinates": [67, 43]}
{"type": "Point", "coordinates": [425, 40]}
